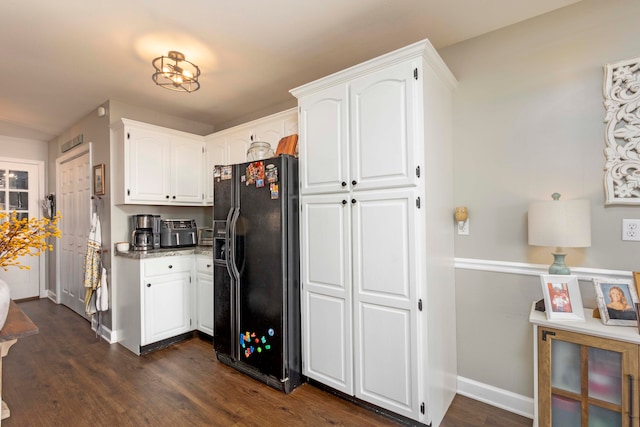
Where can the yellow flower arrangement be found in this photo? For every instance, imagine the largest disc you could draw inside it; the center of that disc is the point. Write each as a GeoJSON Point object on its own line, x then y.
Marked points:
{"type": "Point", "coordinates": [21, 237]}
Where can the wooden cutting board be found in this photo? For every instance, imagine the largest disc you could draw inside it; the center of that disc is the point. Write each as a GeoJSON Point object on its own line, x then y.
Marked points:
{"type": "Point", "coordinates": [288, 145]}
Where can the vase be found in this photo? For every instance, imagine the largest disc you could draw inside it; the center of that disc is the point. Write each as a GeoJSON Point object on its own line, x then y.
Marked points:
{"type": "Point", "coordinates": [5, 300]}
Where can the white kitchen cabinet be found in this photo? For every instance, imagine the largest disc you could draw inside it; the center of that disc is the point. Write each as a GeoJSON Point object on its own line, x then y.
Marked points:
{"type": "Point", "coordinates": [154, 299]}
{"type": "Point", "coordinates": [161, 166]}
{"type": "Point", "coordinates": [230, 146]}
{"type": "Point", "coordinates": [167, 297]}
{"type": "Point", "coordinates": [204, 293]}
{"type": "Point", "coordinates": [376, 232]}
{"type": "Point", "coordinates": [366, 142]}
{"type": "Point", "coordinates": [215, 153]}
{"type": "Point", "coordinates": [323, 140]}
{"type": "Point", "coordinates": [327, 320]}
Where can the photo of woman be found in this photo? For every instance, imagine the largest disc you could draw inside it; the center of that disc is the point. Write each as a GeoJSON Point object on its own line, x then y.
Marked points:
{"type": "Point", "coordinates": [616, 301]}
{"type": "Point", "coordinates": [618, 305]}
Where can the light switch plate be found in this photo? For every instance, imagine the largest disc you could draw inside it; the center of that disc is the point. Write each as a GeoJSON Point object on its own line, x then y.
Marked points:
{"type": "Point", "coordinates": [631, 229]}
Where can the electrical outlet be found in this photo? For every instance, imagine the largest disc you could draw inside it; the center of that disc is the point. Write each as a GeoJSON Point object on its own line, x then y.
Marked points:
{"type": "Point", "coordinates": [631, 229]}
{"type": "Point", "coordinates": [464, 229]}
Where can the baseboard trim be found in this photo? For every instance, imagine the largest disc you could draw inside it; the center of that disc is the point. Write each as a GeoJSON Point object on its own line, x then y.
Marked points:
{"type": "Point", "coordinates": [105, 332]}
{"type": "Point", "coordinates": [536, 269]}
{"type": "Point", "coordinates": [503, 399]}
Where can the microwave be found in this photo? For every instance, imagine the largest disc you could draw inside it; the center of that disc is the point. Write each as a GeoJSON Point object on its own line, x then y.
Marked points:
{"type": "Point", "coordinates": [205, 236]}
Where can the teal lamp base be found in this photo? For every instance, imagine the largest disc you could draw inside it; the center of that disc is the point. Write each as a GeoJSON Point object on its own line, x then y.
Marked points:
{"type": "Point", "coordinates": [558, 266]}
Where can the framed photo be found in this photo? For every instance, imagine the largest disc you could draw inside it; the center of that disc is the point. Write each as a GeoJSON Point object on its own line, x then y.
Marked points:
{"type": "Point", "coordinates": [98, 180]}
{"type": "Point", "coordinates": [617, 301]}
{"type": "Point", "coordinates": [562, 298]}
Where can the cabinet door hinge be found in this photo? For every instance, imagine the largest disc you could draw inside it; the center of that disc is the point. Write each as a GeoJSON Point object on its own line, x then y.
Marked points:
{"type": "Point", "coordinates": [128, 192]}
{"type": "Point", "coordinates": [189, 279]}
{"type": "Point", "coordinates": [422, 408]}
{"type": "Point", "coordinates": [415, 73]}
{"type": "Point", "coordinates": [128, 135]}
{"type": "Point", "coordinates": [418, 171]}
{"type": "Point", "coordinates": [202, 150]}
{"type": "Point", "coordinates": [420, 304]}
{"type": "Point", "coordinates": [418, 203]}
{"type": "Point", "coordinates": [545, 333]}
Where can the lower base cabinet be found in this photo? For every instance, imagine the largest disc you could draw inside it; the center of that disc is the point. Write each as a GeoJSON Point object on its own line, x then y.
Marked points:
{"type": "Point", "coordinates": [204, 294]}
{"type": "Point", "coordinates": [156, 295]}
{"type": "Point", "coordinates": [587, 373]}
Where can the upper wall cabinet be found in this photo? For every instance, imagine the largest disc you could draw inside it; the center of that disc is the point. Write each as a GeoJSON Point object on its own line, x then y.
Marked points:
{"type": "Point", "coordinates": [230, 145]}
{"type": "Point", "coordinates": [359, 135]}
{"type": "Point", "coordinates": [161, 166]}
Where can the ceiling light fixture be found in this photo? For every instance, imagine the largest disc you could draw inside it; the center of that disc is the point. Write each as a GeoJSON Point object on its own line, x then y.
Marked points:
{"type": "Point", "coordinates": [173, 72]}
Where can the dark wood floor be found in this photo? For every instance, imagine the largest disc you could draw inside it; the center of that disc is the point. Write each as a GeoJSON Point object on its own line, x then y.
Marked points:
{"type": "Point", "coordinates": [65, 376]}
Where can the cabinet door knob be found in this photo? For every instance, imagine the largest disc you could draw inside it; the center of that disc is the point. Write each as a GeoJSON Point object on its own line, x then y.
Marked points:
{"type": "Point", "coordinates": [353, 201]}
{"type": "Point", "coordinates": [167, 196]}
{"type": "Point", "coordinates": [174, 197]}
{"type": "Point", "coordinates": [344, 184]}
{"type": "Point", "coordinates": [354, 182]}
{"type": "Point", "coordinates": [170, 266]}
{"type": "Point", "coordinates": [208, 265]}
{"type": "Point", "coordinates": [148, 285]}
{"type": "Point", "coordinates": [344, 202]}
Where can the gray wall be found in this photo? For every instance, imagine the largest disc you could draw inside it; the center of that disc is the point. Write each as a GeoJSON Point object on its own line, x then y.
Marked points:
{"type": "Point", "coordinates": [528, 122]}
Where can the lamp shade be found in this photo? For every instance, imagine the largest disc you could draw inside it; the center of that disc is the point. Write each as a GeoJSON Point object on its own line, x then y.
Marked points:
{"type": "Point", "coordinates": [560, 223]}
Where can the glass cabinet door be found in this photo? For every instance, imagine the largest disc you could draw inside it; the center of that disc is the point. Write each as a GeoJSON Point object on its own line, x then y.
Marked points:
{"type": "Point", "coordinates": [585, 381]}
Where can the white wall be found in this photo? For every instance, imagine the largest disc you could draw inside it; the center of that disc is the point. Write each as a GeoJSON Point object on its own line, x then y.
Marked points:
{"type": "Point", "coordinates": [528, 122]}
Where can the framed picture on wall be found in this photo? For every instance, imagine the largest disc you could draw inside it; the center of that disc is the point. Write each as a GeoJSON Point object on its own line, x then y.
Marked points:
{"type": "Point", "coordinates": [98, 180]}
{"type": "Point", "coordinates": [562, 297]}
{"type": "Point", "coordinates": [617, 301]}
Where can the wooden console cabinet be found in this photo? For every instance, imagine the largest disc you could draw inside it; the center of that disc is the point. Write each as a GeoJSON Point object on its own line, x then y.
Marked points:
{"type": "Point", "coordinates": [586, 373]}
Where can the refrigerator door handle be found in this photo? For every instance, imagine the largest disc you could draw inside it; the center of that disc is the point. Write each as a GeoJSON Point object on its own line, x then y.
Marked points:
{"type": "Point", "coordinates": [227, 244]}
{"type": "Point", "coordinates": [232, 245]}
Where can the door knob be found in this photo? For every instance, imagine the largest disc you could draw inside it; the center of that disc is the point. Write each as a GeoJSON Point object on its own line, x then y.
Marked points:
{"type": "Point", "coordinates": [354, 182]}
{"type": "Point", "coordinates": [148, 285]}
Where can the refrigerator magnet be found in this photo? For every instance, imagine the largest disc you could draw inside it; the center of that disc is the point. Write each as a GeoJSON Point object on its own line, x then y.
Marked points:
{"type": "Point", "coordinates": [259, 183]}
{"type": "Point", "coordinates": [225, 173]}
{"type": "Point", "coordinates": [271, 173]}
{"type": "Point", "coordinates": [216, 173]}
{"type": "Point", "coordinates": [273, 188]}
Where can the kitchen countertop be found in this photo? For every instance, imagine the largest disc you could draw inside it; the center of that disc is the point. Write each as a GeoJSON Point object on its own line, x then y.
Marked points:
{"type": "Point", "coordinates": [155, 253]}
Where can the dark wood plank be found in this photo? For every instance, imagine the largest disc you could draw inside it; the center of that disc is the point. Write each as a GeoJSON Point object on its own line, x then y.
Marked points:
{"type": "Point", "coordinates": [66, 376]}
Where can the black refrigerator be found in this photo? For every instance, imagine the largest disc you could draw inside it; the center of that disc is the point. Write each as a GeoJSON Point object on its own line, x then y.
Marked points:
{"type": "Point", "coordinates": [256, 270]}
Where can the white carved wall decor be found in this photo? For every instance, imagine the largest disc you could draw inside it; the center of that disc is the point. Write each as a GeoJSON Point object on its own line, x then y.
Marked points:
{"type": "Point", "coordinates": [622, 135]}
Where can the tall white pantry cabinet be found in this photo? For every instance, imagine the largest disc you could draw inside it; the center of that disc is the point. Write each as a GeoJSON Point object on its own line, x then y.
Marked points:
{"type": "Point", "coordinates": [377, 262]}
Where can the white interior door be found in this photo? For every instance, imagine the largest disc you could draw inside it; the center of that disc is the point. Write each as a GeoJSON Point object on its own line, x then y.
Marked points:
{"type": "Point", "coordinates": [74, 204]}
{"type": "Point", "coordinates": [20, 190]}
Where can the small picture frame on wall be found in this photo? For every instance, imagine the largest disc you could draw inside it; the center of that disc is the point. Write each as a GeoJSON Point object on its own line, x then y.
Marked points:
{"type": "Point", "coordinates": [562, 297]}
{"type": "Point", "coordinates": [617, 301]}
{"type": "Point", "coordinates": [98, 180]}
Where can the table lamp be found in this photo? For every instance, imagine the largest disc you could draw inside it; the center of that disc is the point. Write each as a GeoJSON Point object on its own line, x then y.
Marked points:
{"type": "Point", "coordinates": [560, 224]}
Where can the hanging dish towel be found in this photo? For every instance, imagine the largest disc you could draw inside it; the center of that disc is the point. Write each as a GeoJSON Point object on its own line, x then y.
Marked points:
{"type": "Point", "coordinates": [102, 293]}
{"type": "Point", "coordinates": [92, 264]}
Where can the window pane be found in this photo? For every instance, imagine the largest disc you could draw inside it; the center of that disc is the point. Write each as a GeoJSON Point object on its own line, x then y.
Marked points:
{"type": "Point", "coordinates": [605, 375]}
{"type": "Point", "coordinates": [19, 180]}
{"type": "Point", "coordinates": [3, 181]}
{"type": "Point", "coordinates": [2, 201]}
{"type": "Point", "coordinates": [18, 200]}
{"type": "Point", "coordinates": [565, 412]}
{"type": "Point", "coordinates": [600, 417]}
{"type": "Point", "coordinates": [565, 366]}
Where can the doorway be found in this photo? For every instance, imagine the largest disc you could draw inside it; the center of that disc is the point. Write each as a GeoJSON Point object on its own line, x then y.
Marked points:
{"type": "Point", "coordinates": [73, 188]}
{"type": "Point", "coordinates": [21, 187]}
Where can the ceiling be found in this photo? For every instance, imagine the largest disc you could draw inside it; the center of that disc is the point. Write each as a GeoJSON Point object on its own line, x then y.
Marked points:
{"type": "Point", "coordinates": [65, 58]}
